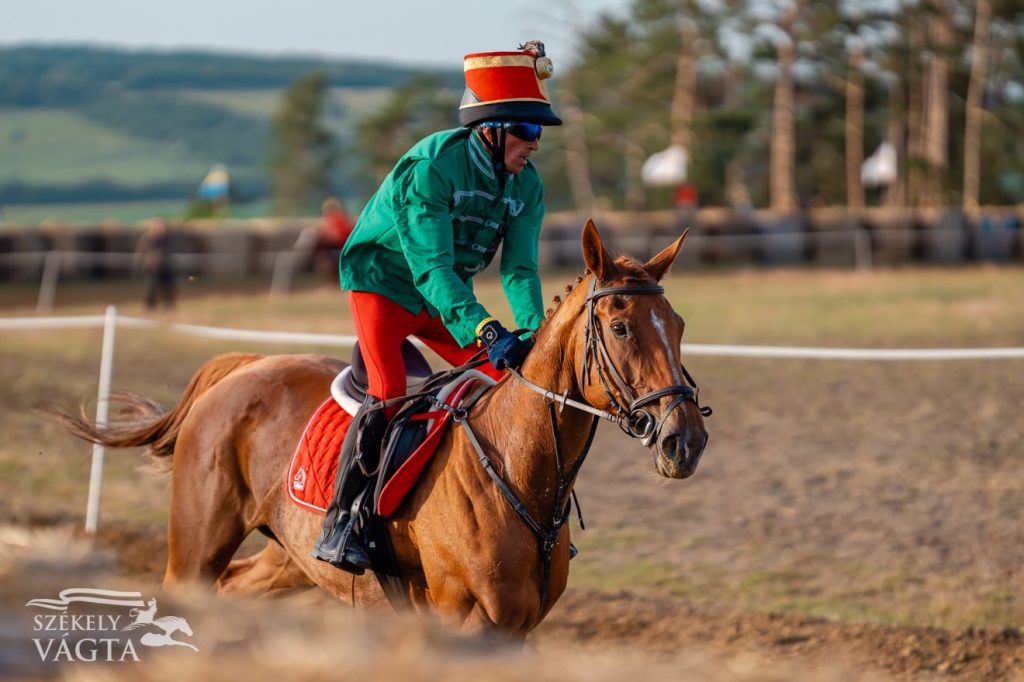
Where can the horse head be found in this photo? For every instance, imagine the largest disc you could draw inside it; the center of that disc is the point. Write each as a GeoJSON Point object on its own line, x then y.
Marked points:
{"type": "Point", "coordinates": [628, 355]}
{"type": "Point", "coordinates": [172, 624]}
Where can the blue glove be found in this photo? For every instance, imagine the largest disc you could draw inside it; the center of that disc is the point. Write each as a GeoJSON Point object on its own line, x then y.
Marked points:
{"type": "Point", "coordinates": [504, 349]}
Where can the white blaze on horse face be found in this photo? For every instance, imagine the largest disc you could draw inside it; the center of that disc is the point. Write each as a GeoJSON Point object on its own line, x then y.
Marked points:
{"type": "Point", "coordinates": [659, 324]}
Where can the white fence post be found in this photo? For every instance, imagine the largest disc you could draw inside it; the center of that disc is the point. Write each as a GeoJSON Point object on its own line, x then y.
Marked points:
{"type": "Point", "coordinates": [284, 266]}
{"type": "Point", "coordinates": [862, 249]}
{"type": "Point", "coordinates": [92, 512]}
{"type": "Point", "coordinates": [48, 282]}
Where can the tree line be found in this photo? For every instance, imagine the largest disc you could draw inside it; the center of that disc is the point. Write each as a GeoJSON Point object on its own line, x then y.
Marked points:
{"type": "Point", "coordinates": [778, 102]}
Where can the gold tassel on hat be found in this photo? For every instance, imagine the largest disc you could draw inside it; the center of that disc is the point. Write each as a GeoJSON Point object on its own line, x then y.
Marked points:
{"type": "Point", "coordinates": [544, 67]}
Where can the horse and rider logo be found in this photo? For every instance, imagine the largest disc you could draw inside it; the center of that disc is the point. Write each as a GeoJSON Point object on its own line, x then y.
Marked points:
{"type": "Point", "coordinates": [169, 625]}
{"type": "Point", "coordinates": [99, 635]}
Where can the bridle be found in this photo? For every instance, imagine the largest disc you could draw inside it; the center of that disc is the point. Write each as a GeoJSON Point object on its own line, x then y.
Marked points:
{"type": "Point", "coordinates": [636, 421]}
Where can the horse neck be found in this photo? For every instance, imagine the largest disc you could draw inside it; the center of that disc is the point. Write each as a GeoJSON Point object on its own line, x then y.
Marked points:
{"type": "Point", "coordinates": [517, 420]}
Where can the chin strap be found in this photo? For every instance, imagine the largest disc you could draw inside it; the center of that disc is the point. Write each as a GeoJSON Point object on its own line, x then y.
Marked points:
{"type": "Point", "coordinates": [497, 153]}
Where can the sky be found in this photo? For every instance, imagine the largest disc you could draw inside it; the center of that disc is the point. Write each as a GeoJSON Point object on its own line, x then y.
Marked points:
{"type": "Point", "coordinates": [428, 32]}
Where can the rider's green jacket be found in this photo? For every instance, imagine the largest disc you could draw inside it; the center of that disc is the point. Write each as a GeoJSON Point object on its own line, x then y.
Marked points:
{"type": "Point", "coordinates": [437, 220]}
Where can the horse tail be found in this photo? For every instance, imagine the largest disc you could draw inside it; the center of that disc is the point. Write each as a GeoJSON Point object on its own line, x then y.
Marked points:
{"type": "Point", "coordinates": [141, 421]}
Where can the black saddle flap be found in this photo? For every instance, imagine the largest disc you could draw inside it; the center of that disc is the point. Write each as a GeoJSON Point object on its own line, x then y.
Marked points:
{"type": "Point", "coordinates": [404, 436]}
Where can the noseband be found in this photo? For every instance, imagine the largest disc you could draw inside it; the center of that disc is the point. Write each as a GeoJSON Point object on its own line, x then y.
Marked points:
{"type": "Point", "coordinates": [633, 417]}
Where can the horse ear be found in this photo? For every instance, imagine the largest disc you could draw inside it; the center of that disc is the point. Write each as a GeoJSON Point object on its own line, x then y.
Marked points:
{"type": "Point", "coordinates": [658, 266]}
{"type": "Point", "coordinates": [597, 258]}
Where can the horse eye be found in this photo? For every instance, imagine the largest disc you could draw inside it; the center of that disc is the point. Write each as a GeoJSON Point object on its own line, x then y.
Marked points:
{"type": "Point", "coordinates": [619, 329]}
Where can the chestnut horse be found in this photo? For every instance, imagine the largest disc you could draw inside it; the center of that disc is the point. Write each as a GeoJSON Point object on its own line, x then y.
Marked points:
{"type": "Point", "coordinates": [464, 552]}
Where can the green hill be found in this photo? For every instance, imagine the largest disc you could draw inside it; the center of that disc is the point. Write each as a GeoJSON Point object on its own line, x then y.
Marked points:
{"type": "Point", "coordinates": [81, 124]}
{"type": "Point", "coordinates": [41, 146]}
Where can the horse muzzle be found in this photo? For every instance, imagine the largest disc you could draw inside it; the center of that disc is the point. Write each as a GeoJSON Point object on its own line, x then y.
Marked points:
{"type": "Point", "coordinates": [679, 453]}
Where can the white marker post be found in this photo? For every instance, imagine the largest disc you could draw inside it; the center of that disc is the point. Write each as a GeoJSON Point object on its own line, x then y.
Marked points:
{"type": "Point", "coordinates": [284, 268]}
{"type": "Point", "coordinates": [862, 249]}
{"type": "Point", "coordinates": [92, 512]}
{"type": "Point", "coordinates": [48, 282]}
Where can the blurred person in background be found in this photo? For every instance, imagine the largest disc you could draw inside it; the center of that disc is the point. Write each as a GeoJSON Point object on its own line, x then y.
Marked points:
{"type": "Point", "coordinates": [335, 227]}
{"type": "Point", "coordinates": [437, 220]}
{"type": "Point", "coordinates": [686, 202]}
{"type": "Point", "coordinates": [323, 243]}
{"type": "Point", "coordinates": [154, 258]}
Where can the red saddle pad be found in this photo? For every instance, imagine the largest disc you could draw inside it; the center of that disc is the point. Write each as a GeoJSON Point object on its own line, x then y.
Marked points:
{"type": "Point", "coordinates": [314, 465]}
{"type": "Point", "coordinates": [310, 479]}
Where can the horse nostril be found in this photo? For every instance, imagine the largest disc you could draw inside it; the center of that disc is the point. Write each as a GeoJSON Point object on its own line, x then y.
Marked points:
{"type": "Point", "coordinates": [671, 445]}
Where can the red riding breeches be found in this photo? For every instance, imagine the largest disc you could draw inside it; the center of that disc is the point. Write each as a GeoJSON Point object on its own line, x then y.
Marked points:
{"type": "Point", "coordinates": [382, 325]}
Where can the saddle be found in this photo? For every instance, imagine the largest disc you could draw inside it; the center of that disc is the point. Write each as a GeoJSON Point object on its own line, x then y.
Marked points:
{"type": "Point", "coordinates": [314, 464]}
{"type": "Point", "coordinates": [405, 451]}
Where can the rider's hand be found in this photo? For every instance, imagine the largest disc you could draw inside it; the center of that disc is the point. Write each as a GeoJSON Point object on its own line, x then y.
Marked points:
{"type": "Point", "coordinates": [504, 349]}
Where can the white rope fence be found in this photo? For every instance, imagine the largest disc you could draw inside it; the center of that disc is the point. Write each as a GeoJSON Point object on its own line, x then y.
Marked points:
{"type": "Point", "coordinates": [111, 320]}
{"type": "Point", "coordinates": [803, 352]}
{"type": "Point", "coordinates": [260, 336]}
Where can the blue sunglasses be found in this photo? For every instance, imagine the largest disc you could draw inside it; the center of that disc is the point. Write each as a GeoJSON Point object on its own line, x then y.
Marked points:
{"type": "Point", "coordinates": [528, 132]}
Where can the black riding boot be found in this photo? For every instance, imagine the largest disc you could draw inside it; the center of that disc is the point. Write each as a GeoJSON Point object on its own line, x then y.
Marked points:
{"type": "Point", "coordinates": [338, 543]}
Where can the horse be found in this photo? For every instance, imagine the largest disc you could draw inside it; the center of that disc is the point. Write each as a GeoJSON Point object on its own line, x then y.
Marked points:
{"type": "Point", "coordinates": [482, 541]}
{"type": "Point", "coordinates": [169, 625]}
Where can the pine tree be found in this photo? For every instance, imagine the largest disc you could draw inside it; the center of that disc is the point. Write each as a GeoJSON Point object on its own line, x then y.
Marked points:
{"type": "Point", "coordinates": [972, 124]}
{"type": "Point", "coordinates": [303, 149]}
{"type": "Point", "coordinates": [422, 105]}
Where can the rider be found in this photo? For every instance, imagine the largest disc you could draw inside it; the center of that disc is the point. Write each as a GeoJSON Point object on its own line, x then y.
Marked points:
{"type": "Point", "coordinates": [437, 220]}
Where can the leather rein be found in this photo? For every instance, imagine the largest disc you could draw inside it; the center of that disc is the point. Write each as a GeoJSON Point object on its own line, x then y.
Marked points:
{"type": "Point", "coordinates": [636, 421]}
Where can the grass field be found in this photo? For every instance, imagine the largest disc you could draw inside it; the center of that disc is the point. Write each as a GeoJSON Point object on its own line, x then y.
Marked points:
{"type": "Point", "coordinates": [51, 146]}
{"type": "Point", "coordinates": [888, 308]}
{"type": "Point", "coordinates": [93, 212]}
{"type": "Point", "coordinates": [54, 146]}
{"type": "Point", "coordinates": [859, 491]}
{"type": "Point", "coordinates": [120, 211]}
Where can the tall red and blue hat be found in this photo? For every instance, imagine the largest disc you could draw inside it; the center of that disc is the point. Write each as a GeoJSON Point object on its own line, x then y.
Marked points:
{"type": "Point", "coordinates": [508, 86]}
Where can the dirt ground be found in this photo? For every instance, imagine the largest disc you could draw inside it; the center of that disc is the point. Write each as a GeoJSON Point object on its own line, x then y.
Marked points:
{"type": "Point", "coordinates": [591, 635]}
{"type": "Point", "coordinates": [849, 520]}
